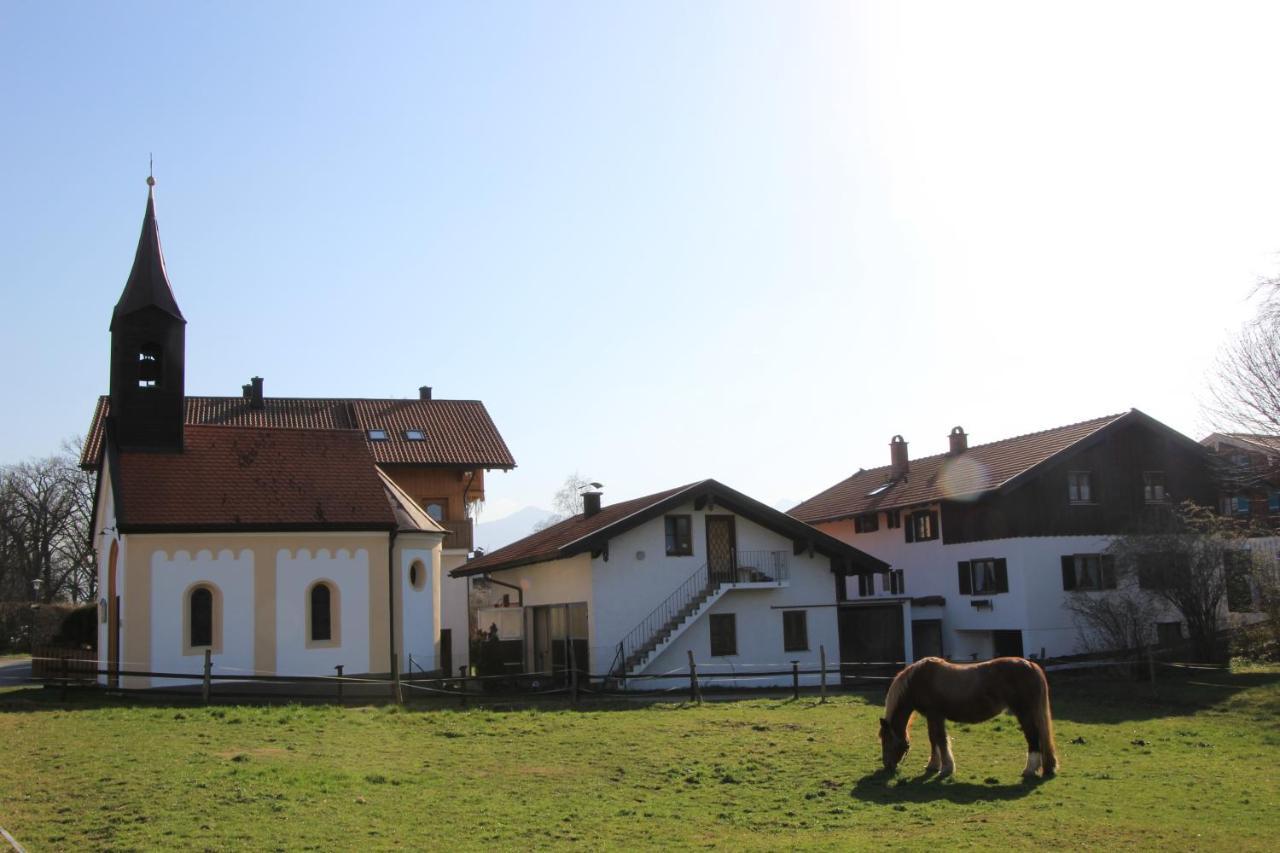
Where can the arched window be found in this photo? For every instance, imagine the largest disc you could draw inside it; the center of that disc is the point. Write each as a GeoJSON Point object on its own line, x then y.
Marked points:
{"type": "Point", "coordinates": [435, 509]}
{"type": "Point", "coordinates": [417, 575]}
{"type": "Point", "coordinates": [149, 365]}
{"type": "Point", "coordinates": [201, 621]}
{"type": "Point", "coordinates": [321, 613]}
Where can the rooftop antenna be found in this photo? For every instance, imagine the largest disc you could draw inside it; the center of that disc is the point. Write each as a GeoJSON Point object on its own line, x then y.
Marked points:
{"type": "Point", "coordinates": [151, 169]}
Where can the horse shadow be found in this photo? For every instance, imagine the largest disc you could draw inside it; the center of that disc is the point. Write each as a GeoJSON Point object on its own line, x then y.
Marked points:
{"type": "Point", "coordinates": [882, 787]}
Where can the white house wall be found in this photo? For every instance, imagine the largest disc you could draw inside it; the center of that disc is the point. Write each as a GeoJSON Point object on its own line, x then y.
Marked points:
{"type": "Point", "coordinates": [453, 607]}
{"type": "Point", "coordinates": [295, 573]}
{"type": "Point", "coordinates": [419, 607]}
{"type": "Point", "coordinates": [171, 577]}
{"type": "Point", "coordinates": [758, 623]}
{"type": "Point", "coordinates": [628, 587]}
{"type": "Point", "coordinates": [1035, 603]}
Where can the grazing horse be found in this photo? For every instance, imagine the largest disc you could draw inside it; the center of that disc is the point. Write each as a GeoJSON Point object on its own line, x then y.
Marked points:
{"type": "Point", "coordinates": [968, 693]}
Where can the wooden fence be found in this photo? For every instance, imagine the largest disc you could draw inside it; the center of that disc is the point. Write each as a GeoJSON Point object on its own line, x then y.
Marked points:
{"type": "Point", "coordinates": [48, 662]}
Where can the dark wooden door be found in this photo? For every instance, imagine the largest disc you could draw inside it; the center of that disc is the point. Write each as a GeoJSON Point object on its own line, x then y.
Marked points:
{"type": "Point", "coordinates": [446, 651]}
{"type": "Point", "coordinates": [1006, 644]}
{"type": "Point", "coordinates": [721, 544]}
{"type": "Point", "coordinates": [871, 639]}
{"type": "Point", "coordinates": [113, 618]}
{"type": "Point", "coordinates": [926, 638]}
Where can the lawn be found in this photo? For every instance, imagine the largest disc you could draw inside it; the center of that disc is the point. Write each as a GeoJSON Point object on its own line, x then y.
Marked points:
{"type": "Point", "coordinates": [1192, 769]}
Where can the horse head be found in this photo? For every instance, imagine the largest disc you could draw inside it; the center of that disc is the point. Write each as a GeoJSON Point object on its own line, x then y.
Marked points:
{"type": "Point", "coordinates": [892, 745]}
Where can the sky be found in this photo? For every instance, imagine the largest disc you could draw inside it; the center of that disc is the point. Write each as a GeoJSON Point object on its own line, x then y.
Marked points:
{"type": "Point", "coordinates": [661, 241]}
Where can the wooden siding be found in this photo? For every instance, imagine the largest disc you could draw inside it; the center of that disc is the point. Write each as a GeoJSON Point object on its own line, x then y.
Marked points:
{"type": "Point", "coordinates": [426, 484]}
{"type": "Point", "coordinates": [1040, 506]}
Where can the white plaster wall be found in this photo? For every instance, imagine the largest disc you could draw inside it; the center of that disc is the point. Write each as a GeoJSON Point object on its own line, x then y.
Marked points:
{"type": "Point", "coordinates": [295, 572]}
{"type": "Point", "coordinates": [759, 627]}
{"type": "Point", "coordinates": [106, 520]}
{"type": "Point", "coordinates": [1034, 604]}
{"type": "Point", "coordinates": [171, 577]}
{"type": "Point", "coordinates": [453, 607]}
{"type": "Point", "coordinates": [419, 607]}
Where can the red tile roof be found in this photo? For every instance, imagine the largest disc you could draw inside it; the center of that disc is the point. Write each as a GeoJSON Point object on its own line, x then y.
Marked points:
{"type": "Point", "coordinates": [244, 478]}
{"type": "Point", "coordinates": [546, 544]}
{"type": "Point", "coordinates": [978, 469]}
{"type": "Point", "coordinates": [581, 533]}
{"type": "Point", "coordinates": [458, 432]}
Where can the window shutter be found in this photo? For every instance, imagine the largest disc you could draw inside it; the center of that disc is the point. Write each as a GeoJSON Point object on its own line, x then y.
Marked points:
{"type": "Point", "coordinates": [1108, 563]}
{"type": "Point", "coordinates": [862, 586]}
{"type": "Point", "coordinates": [1068, 571]}
{"type": "Point", "coordinates": [966, 582]}
{"type": "Point", "coordinates": [934, 532]}
{"type": "Point", "coordinates": [1002, 575]}
{"type": "Point", "coordinates": [909, 529]}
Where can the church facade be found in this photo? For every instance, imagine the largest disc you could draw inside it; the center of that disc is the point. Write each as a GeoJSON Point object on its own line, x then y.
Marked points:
{"type": "Point", "coordinates": [283, 536]}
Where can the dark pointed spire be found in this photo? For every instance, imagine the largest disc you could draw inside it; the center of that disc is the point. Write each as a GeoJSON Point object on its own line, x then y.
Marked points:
{"type": "Point", "coordinates": [148, 285]}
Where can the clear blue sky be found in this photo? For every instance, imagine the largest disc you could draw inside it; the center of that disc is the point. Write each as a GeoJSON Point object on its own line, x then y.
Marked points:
{"type": "Point", "coordinates": [661, 241]}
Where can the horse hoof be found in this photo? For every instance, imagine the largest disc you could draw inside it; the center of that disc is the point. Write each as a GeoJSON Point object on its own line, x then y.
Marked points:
{"type": "Point", "coordinates": [945, 772]}
{"type": "Point", "coordinates": [1049, 773]}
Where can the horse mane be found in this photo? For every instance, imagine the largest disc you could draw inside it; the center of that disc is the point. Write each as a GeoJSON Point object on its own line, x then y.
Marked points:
{"type": "Point", "coordinates": [897, 689]}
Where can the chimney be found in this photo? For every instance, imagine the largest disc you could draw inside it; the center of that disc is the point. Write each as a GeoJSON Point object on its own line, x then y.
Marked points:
{"type": "Point", "coordinates": [959, 441]}
{"type": "Point", "coordinates": [424, 392]}
{"type": "Point", "coordinates": [255, 393]}
{"type": "Point", "coordinates": [590, 503]}
{"type": "Point", "coordinates": [247, 391]}
{"type": "Point", "coordinates": [898, 457]}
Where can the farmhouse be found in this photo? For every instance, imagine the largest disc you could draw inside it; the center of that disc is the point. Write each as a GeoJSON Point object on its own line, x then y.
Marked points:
{"type": "Point", "coordinates": [632, 588]}
{"type": "Point", "coordinates": [990, 540]}
{"type": "Point", "coordinates": [283, 536]}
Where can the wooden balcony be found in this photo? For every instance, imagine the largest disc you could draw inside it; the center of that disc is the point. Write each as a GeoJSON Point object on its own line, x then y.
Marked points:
{"type": "Point", "coordinates": [460, 534]}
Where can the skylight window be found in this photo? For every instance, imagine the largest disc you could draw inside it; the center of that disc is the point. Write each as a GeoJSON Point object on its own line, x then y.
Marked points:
{"type": "Point", "coordinates": [415, 435]}
{"type": "Point", "coordinates": [377, 435]}
{"type": "Point", "coordinates": [878, 489]}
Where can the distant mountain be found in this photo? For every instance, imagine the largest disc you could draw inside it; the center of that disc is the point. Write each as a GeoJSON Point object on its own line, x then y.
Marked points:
{"type": "Point", "coordinates": [492, 535]}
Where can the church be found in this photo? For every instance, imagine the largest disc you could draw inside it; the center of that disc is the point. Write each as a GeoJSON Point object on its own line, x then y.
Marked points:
{"type": "Point", "coordinates": [282, 536]}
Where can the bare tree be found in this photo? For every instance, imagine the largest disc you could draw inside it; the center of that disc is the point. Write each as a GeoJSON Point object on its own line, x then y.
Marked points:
{"type": "Point", "coordinates": [46, 508]}
{"type": "Point", "coordinates": [1122, 619]}
{"type": "Point", "coordinates": [1246, 381]}
{"type": "Point", "coordinates": [1179, 558]}
{"type": "Point", "coordinates": [567, 501]}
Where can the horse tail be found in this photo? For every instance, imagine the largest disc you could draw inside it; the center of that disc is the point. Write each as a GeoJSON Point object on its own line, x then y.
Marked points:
{"type": "Point", "coordinates": [1044, 725]}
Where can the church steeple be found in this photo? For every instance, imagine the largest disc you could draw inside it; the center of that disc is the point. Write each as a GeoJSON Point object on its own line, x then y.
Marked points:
{"type": "Point", "coordinates": [148, 343]}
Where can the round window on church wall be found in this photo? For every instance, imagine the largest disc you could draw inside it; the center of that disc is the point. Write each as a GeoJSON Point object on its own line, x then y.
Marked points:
{"type": "Point", "coordinates": [417, 575]}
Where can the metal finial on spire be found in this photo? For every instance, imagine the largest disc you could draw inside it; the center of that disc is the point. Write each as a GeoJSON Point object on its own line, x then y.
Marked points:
{"type": "Point", "coordinates": [151, 170]}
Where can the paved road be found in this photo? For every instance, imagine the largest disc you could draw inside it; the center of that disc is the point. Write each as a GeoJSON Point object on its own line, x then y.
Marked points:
{"type": "Point", "coordinates": [15, 672]}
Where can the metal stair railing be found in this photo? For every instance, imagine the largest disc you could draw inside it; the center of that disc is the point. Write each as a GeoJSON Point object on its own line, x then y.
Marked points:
{"type": "Point", "coordinates": [674, 609]}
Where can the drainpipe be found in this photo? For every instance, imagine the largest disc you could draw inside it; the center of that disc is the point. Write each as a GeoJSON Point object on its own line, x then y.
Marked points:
{"type": "Point", "coordinates": [519, 591]}
{"type": "Point", "coordinates": [391, 595]}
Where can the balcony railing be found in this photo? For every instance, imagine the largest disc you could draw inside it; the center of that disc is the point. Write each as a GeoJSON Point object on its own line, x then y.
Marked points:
{"type": "Point", "coordinates": [753, 567]}
{"type": "Point", "coordinates": [460, 534]}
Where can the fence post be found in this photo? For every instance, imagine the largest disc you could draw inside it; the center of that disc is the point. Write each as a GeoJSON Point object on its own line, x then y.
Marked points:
{"type": "Point", "coordinates": [340, 685]}
{"type": "Point", "coordinates": [462, 683]}
{"type": "Point", "coordinates": [396, 695]}
{"type": "Point", "coordinates": [1151, 671]}
{"type": "Point", "coordinates": [62, 667]}
{"type": "Point", "coordinates": [208, 672]}
{"type": "Point", "coordinates": [695, 692]}
{"type": "Point", "coordinates": [795, 679]}
{"type": "Point", "coordinates": [822, 656]}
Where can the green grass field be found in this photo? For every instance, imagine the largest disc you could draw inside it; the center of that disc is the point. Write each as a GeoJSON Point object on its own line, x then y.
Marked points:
{"type": "Point", "coordinates": [1195, 769]}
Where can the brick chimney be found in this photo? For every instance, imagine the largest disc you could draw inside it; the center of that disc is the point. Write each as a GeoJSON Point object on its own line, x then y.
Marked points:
{"type": "Point", "coordinates": [591, 503]}
{"type": "Point", "coordinates": [898, 457]}
{"type": "Point", "coordinates": [959, 441]}
{"type": "Point", "coordinates": [424, 392]}
{"type": "Point", "coordinates": [255, 393]}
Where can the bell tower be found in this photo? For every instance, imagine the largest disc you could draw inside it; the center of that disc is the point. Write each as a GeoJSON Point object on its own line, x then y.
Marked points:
{"type": "Point", "coordinates": [148, 344]}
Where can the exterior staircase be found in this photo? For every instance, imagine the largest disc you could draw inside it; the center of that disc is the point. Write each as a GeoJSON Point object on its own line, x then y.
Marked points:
{"type": "Point", "coordinates": [657, 631]}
